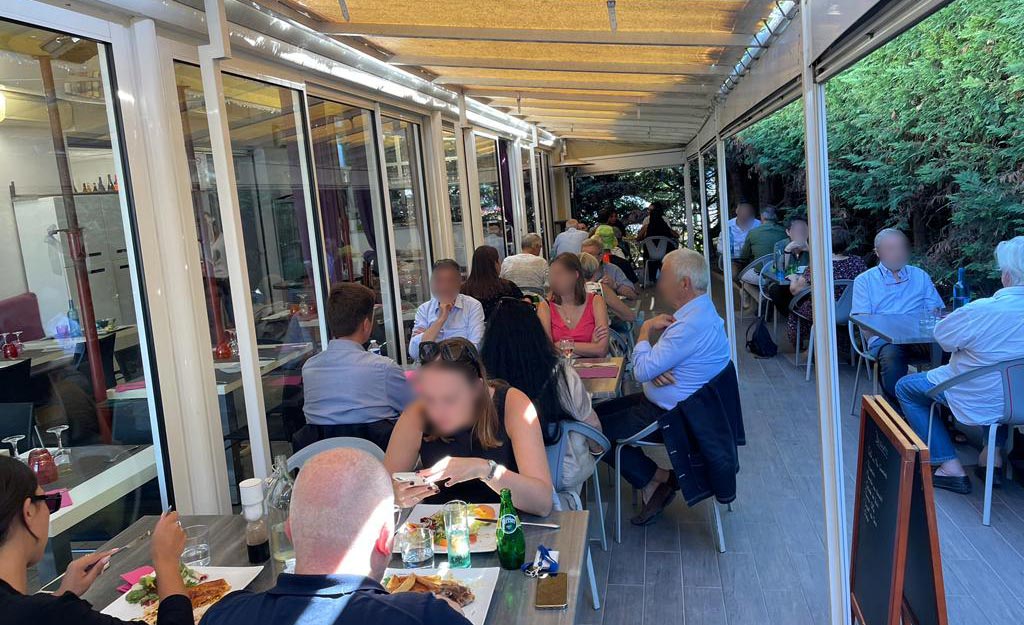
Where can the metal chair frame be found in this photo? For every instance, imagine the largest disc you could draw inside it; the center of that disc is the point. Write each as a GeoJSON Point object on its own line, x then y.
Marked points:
{"type": "Point", "coordinates": [859, 347]}
{"type": "Point", "coordinates": [843, 305]}
{"type": "Point", "coordinates": [757, 264]}
{"type": "Point", "coordinates": [656, 248]}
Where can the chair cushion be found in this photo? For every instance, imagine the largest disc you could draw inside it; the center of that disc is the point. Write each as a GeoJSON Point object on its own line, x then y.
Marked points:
{"type": "Point", "coordinates": [21, 312]}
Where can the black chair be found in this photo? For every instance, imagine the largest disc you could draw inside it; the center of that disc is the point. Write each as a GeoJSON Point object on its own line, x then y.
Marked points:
{"type": "Point", "coordinates": [106, 356]}
{"type": "Point", "coordinates": [14, 382]}
{"type": "Point", "coordinates": [17, 418]}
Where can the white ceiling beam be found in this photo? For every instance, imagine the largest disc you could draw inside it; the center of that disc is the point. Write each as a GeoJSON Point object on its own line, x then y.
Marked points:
{"type": "Point", "coordinates": [660, 69]}
{"type": "Point", "coordinates": [569, 127]}
{"type": "Point", "coordinates": [545, 118]}
{"type": "Point", "coordinates": [528, 114]}
{"type": "Point", "coordinates": [512, 93]}
{"type": "Point", "coordinates": [625, 138]}
{"type": "Point", "coordinates": [536, 35]}
{"type": "Point", "coordinates": [511, 105]}
{"type": "Point", "coordinates": [479, 81]}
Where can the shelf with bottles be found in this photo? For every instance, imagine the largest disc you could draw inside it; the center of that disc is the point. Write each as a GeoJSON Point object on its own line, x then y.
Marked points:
{"type": "Point", "coordinates": [111, 187]}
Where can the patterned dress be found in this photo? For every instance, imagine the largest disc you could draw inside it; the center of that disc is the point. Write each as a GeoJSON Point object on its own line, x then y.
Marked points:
{"type": "Point", "coordinates": [845, 269]}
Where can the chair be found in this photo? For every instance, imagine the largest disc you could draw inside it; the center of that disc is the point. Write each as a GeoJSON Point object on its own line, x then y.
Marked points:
{"type": "Point", "coordinates": [763, 297]}
{"type": "Point", "coordinates": [15, 384]}
{"type": "Point", "coordinates": [843, 306]}
{"type": "Point", "coordinates": [300, 457]}
{"type": "Point", "coordinates": [860, 348]}
{"type": "Point", "coordinates": [639, 440]}
{"type": "Point", "coordinates": [17, 418]}
{"type": "Point", "coordinates": [655, 249]}
{"type": "Point", "coordinates": [756, 266]}
{"type": "Point", "coordinates": [1011, 374]}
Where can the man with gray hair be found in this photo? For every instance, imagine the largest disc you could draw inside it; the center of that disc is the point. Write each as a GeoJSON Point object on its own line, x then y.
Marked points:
{"type": "Point", "coordinates": [984, 332]}
{"type": "Point", "coordinates": [342, 525]}
{"type": "Point", "coordinates": [692, 349]}
{"type": "Point", "coordinates": [569, 240]}
{"type": "Point", "coordinates": [527, 269]}
{"type": "Point", "coordinates": [893, 288]}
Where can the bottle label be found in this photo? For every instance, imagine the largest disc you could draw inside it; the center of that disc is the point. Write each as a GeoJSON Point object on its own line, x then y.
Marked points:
{"type": "Point", "coordinates": [509, 523]}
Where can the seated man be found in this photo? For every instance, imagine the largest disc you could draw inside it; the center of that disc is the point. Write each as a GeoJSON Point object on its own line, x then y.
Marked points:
{"type": "Point", "coordinates": [984, 332]}
{"type": "Point", "coordinates": [609, 275]}
{"type": "Point", "coordinates": [760, 241]}
{"type": "Point", "coordinates": [739, 227]}
{"type": "Point", "coordinates": [691, 351]}
{"type": "Point", "coordinates": [569, 240]}
{"type": "Point", "coordinates": [894, 287]}
{"type": "Point", "coordinates": [449, 313]}
{"type": "Point", "coordinates": [527, 268]}
{"type": "Point", "coordinates": [342, 525]}
{"type": "Point", "coordinates": [348, 390]}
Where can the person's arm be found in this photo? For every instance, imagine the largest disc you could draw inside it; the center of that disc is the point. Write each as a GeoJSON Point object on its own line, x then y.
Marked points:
{"type": "Point", "coordinates": [934, 299]}
{"type": "Point", "coordinates": [621, 309]}
{"type": "Point", "coordinates": [957, 331]}
{"type": "Point", "coordinates": [649, 361]}
{"type": "Point", "coordinates": [419, 326]}
{"type": "Point", "coordinates": [397, 389]}
{"type": "Point", "coordinates": [745, 251]}
{"type": "Point", "coordinates": [598, 345]}
{"type": "Point", "coordinates": [474, 312]}
{"type": "Point", "coordinates": [544, 314]}
{"type": "Point", "coordinates": [434, 329]}
{"type": "Point", "coordinates": [531, 486]}
{"type": "Point", "coordinates": [623, 287]}
{"type": "Point", "coordinates": [403, 452]}
{"type": "Point", "coordinates": [861, 304]}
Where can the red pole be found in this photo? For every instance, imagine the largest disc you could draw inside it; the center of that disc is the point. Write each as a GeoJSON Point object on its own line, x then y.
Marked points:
{"type": "Point", "coordinates": [76, 249]}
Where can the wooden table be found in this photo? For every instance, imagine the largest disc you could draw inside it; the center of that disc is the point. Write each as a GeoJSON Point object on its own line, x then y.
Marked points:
{"type": "Point", "coordinates": [603, 388]}
{"type": "Point", "coordinates": [513, 599]}
{"type": "Point", "coordinates": [49, 353]}
{"type": "Point", "coordinates": [900, 329]}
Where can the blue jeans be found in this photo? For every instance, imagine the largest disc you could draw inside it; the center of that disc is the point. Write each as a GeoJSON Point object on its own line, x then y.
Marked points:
{"type": "Point", "coordinates": [893, 361]}
{"type": "Point", "coordinates": [912, 392]}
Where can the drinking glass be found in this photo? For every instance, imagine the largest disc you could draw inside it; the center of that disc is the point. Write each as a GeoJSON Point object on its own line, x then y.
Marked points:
{"type": "Point", "coordinates": [62, 457]}
{"type": "Point", "coordinates": [233, 342]}
{"type": "Point", "coordinates": [13, 442]}
{"type": "Point", "coordinates": [197, 546]}
{"type": "Point", "coordinates": [457, 519]}
{"type": "Point", "coordinates": [3, 346]}
{"type": "Point", "coordinates": [303, 304]}
{"type": "Point", "coordinates": [416, 545]}
{"type": "Point", "coordinates": [17, 341]}
{"type": "Point", "coordinates": [566, 347]}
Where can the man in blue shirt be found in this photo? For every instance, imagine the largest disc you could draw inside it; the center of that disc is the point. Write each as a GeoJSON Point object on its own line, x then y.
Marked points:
{"type": "Point", "coordinates": [569, 240]}
{"type": "Point", "coordinates": [894, 287]}
{"type": "Point", "coordinates": [609, 275]}
{"type": "Point", "coordinates": [449, 313]}
{"type": "Point", "coordinates": [691, 351]}
{"type": "Point", "coordinates": [342, 525]}
{"type": "Point", "coordinates": [349, 391]}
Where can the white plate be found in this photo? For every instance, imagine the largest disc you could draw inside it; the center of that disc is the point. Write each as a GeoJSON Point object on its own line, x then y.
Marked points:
{"type": "Point", "coordinates": [486, 536]}
{"type": "Point", "coordinates": [480, 581]}
{"type": "Point", "coordinates": [238, 576]}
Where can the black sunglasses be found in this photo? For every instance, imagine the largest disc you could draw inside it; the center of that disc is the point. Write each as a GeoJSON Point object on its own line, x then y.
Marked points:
{"type": "Point", "coordinates": [52, 501]}
{"type": "Point", "coordinates": [450, 351]}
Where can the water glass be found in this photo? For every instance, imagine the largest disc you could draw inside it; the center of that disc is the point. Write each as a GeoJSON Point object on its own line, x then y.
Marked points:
{"type": "Point", "coordinates": [457, 519]}
{"type": "Point", "coordinates": [566, 347]}
{"type": "Point", "coordinates": [926, 324]}
{"type": "Point", "coordinates": [197, 546]}
{"type": "Point", "coordinates": [416, 545]}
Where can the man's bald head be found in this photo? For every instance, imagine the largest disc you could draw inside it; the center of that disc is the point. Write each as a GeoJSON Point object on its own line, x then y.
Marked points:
{"type": "Point", "coordinates": [342, 506]}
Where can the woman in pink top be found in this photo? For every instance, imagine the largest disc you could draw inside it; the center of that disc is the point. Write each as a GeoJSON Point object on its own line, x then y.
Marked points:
{"type": "Point", "coordinates": [573, 313]}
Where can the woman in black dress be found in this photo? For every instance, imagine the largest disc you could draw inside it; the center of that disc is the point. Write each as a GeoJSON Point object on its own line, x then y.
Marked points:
{"type": "Point", "coordinates": [474, 437]}
{"type": "Point", "coordinates": [484, 284]}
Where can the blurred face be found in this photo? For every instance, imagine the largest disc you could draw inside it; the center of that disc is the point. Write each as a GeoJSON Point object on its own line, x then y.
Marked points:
{"type": "Point", "coordinates": [593, 250]}
{"type": "Point", "coordinates": [448, 397]}
{"type": "Point", "coordinates": [562, 280]}
{"type": "Point", "coordinates": [445, 284]}
{"type": "Point", "coordinates": [797, 231]}
{"type": "Point", "coordinates": [744, 213]}
{"type": "Point", "coordinates": [893, 252]}
{"type": "Point", "coordinates": [667, 286]}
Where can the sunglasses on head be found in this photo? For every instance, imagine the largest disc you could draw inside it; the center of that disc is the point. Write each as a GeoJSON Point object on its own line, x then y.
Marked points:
{"type": "Point", "coordinates": [450, 351]}
{"type": "Point", "coordinates": [52, 501]}
{"type": "Point", "coordinates": [515, 300]}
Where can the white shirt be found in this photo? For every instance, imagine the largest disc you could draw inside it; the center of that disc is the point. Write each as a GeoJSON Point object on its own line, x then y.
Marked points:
{"type": "Point", "coordinates": [880, 291]}
{"type": "Point", "coordinates": [982, 333]}
{"type": "Point", "coordinates": [465, 320]}
{"type": "Point", "coordinates": [526, 270]}
{"type": "Point", "coordinates": [569, 241]}
{"type": "Point", "coordinates": [694, 348]}
{"type": "Point", "coordinates": [738, 234]}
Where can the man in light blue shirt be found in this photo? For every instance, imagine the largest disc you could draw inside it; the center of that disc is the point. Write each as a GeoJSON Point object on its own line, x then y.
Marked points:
{"type": "Point", "coordinates": [692, 350]}
{"type": "Point", "coordinates": [569, 240]}
{"type": "Point", "coordinates": [449, 313]}
{"type": "Point", "coordinates": [349, 391]}
{"type": "Point", "coordinates": [893, 288]}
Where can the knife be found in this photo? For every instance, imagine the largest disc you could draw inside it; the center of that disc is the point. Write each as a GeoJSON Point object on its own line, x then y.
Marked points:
{"type": "Point", "coordinates": [553, 526]}
{"type": "Point", "coordinates": [132, 543]}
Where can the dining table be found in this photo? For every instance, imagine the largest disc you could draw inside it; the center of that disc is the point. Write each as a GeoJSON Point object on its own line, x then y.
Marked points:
{"type": "Point", "coordinates": [511, 604]}
{"type": "Point", "coordinates": [901, 329]}
{"type": "Point", "coordinates": [50, 352]}
{"type": "Point", "coordinates": [604, 386]}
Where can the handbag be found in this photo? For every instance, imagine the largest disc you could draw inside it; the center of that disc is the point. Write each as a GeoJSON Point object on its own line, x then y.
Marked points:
{"type": "Point", "coordinates": [759, 340]}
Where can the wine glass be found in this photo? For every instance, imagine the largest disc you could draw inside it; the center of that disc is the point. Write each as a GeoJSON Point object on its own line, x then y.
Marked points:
{"type": "Point", "coordinates": [13, 442]}
{"type": "Point", "coordinates": [566, 348]}
{"type": "Point", "coordinates": [233, 342]}
{"type": "Point", "coordinates": [304, 304]}
{"type": "Point", "coordinates": [62, 457]}
{"type": "Point", "coordinates": [5, 335]}
{"type": "Point", "coordinates": [17, 341]}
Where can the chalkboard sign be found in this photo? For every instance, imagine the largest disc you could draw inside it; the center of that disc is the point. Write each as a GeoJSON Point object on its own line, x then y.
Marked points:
{"type": "Point", "coordinates": [896, 572]}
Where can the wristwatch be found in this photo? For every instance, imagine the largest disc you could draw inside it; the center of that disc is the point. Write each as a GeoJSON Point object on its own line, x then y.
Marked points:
{"type": "Point", "coordinates": [492, 468]}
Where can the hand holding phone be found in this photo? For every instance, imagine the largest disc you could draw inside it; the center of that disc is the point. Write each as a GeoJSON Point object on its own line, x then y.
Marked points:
{"type": "Point", "coordinates": [410, 478]}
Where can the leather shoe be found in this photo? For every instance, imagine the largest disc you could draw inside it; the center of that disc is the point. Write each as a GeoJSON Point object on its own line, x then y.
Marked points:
{"type": "Point", "coordinates": [997, 475]}
{"type": "Point", "coordinates": [957, 483]}
{"type": "Point", "coordinates": [662, 496]}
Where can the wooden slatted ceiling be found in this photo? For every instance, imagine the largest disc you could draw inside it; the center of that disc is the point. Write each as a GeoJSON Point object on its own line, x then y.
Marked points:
{"type": "Point", "coordinates": [552, 61]}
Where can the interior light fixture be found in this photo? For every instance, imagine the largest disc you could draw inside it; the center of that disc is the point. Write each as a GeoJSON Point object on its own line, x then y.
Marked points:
{"type": "Point", "coordinates": [344, 10]}
{"type": "Point", "coordinates": [612, 20]}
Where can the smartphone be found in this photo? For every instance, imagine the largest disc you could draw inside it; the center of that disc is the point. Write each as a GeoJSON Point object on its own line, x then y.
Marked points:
{"type": "Point", "coordinates": [552, 592]}
{"type": "Point", "coordinates": [409, 477]}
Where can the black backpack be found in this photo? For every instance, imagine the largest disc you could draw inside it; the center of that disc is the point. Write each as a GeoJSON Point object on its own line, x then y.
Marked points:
{"type": "Point", "coordinates": [759, 340]}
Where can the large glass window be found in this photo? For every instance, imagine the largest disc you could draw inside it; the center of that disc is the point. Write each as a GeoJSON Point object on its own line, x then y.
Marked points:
{"type": "Point", "coordinates": [403, 157]}
{"type": "Point", "coordinates": [451, 166]}
{"type": "Point", "coordinates": [268, 144]}
{"type": "Point", "coordinates": [532, 224]}
{"type": "Point", "coordinates": [496, 231]}
{"type": "Point", "coordinates": [71, 372]}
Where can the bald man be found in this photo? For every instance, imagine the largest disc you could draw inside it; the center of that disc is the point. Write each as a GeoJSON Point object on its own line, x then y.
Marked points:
{"type": "Point", "coordinates": [342, 524]}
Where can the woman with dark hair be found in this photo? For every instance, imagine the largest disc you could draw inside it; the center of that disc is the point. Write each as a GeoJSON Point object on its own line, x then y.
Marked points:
{"type": "Point", "coordinates": [516, 349]}
{"type": "Point", "coordinates": [24, 526]}
{"type": "Point", "coordinates": [475, 436]}
{"type": "Point", "coordinates": [484, 284]}
{"type": "Point", "coordinates": [655, 226]}
{"type": "Point", "coordinates": [573, 313]}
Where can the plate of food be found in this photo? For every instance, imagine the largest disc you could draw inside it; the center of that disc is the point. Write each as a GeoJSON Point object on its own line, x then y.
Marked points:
{"type": "Point", "coordinates": [471, 589]}
{"type": "Point", "coordinates": [206, 585]}
{"type": "Point", "coordinates": [483, 537]}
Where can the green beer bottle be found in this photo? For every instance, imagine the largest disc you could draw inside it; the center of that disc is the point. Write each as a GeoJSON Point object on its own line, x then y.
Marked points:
{"type": "Point", "coordinates": [511, 542]}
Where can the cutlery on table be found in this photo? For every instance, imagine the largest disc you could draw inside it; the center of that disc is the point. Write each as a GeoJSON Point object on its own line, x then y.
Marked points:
{"type": "Point", "coordinates": [132, 543]}
{"type": "Point", "coordinates": [124, 453]}
{"type": "Point", "coordinates": [553, 526]}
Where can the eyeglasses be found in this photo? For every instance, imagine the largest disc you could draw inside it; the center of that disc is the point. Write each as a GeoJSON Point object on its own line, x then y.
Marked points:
{"type": "Point", "coordinates": [458, 351]}
{"type": "Point", "coordinates": [52, 501]}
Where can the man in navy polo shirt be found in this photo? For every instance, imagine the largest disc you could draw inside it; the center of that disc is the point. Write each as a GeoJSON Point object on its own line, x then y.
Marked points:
{"type": "Point", "coordinates": [342, 523]}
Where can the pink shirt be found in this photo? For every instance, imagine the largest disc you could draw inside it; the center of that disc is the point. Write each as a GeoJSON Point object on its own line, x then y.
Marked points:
{"type": "Point", "coordinates": [582, 332]}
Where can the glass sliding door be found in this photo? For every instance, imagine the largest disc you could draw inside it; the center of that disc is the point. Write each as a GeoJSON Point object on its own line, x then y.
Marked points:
{"type": "Point", "coordinates": [544, 197]}
{"type": "Point", "coordinates": [73, 375]}
{"type": "Point", "coordinates": [496, 231]}
{"type": "Point", "coordinates": [268, 142]}
{"type": "Point", "coordinates": [451, 166]}
{"type": "Point", "coordinates": [403, 158]}
{"type": "Point", "coordinates": [532, 224]}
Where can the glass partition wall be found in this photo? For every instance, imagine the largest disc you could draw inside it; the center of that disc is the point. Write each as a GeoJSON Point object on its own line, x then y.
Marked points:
{"type": "Point", "coordinates": [491, 208]}
{"type": "Point", "coordinates": [267, 129]}
{"type": "Point", "coordinates": [451, 167]}
{"type": "Point", "coordinates": [75, 394]}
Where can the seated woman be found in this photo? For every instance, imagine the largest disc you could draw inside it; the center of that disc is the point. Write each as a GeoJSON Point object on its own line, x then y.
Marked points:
{"type": "Point", "coordinates": [616, 306]}
{"type": "Point", "coordinates": [484, 284]}
{"type": "Point", "coordinates": [574, 313]}
{"type": "Point", "coordinates": [474, 436]}
{"type": "Point", "coordinates": [516, 349]}
{"type": "Point", "coordinates": [24, 526]}
{"type": "Point", "coordinates": [843, 268]}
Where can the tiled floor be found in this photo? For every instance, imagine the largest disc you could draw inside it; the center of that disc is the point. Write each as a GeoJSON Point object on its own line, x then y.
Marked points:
{"type": "Point", "coordinates": [774, 570]}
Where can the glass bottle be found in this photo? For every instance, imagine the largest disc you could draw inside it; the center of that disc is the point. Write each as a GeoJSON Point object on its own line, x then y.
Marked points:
{"type": "Point", "coordinates": [511, 541]}
{"type": "Point", "coordinates": [374, 347]}
{"type": "Point", "coordinates": [279, 500]}
{"type": "Point", "coordinates": [961, 291]}
{"type": "Point", "coordinates": [257, 538]}
{"type": "Point", "coordinates": [74, 326]}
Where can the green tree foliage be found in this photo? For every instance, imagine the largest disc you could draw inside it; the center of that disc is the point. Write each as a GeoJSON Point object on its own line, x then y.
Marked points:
{"type": "Point", "coordinates": [926, 134]}
{"type": "Point", "coordinates": [623, 190]}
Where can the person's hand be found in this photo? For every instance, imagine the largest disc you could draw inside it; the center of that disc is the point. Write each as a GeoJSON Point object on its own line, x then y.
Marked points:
{"type": "Point", "coordinates": [660, 322]}
{"type": "Point", "coordinates": [81, 573]}
{"type": "Point", "coordinates": [793, 246]}
{"type": "Point", "coordinates": [600, 334]}
{"type": "Point", "coordinates": [407, 495]}
{"type": "Point", "coordinates": [446, 309]}
{"type": "Point", "coordinates": [665, 379]}
{"type": "Point", "coordinates": [453, 470]}
{"type": "Point", "coordinates": [168, 540]}
{"type": "Point", "coordinates": [608, 282]}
